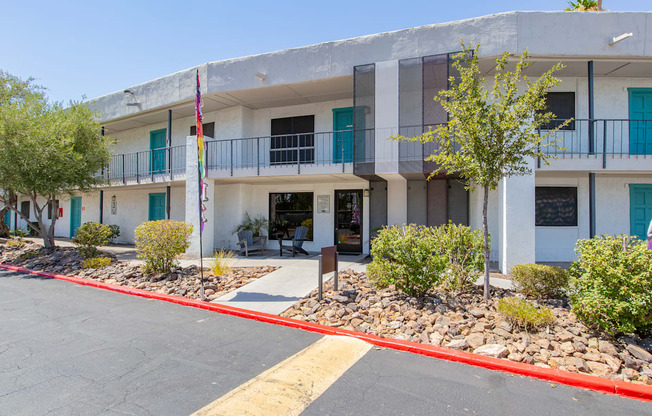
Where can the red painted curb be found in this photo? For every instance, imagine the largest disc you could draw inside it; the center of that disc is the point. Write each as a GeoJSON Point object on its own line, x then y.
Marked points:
{"type": "Point", "coordinates": [585, 381]}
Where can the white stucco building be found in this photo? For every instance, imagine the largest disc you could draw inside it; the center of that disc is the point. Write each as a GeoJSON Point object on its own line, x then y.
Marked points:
{"type": "Point", "coordinates": [301, 134]}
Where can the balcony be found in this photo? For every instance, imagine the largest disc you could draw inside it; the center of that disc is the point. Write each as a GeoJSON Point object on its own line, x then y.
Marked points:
{"type": "Point", "coordinates": [292, 154]}
{"type": "Point", "coordinates": [615, 144]}
{"type": "Point", "coordinates": [148, 166]}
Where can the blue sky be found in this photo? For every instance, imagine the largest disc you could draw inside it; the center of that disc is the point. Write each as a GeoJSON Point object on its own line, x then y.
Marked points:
{"type": "Point", "coordinates": [91, 48]}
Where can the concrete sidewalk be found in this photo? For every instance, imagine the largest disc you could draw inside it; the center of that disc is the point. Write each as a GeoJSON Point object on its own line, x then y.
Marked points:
{"type": "Point", "coordinates": [280, 289]}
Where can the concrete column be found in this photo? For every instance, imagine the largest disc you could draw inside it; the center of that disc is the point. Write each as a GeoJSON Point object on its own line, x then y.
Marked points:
{"type": "Point", "coordinates": [516, 221]}
{"type": "Point", "coordinates": [397, 193]}
{"type": "Point", "coordinates": [365, 221]}
{"type": "Point", "coordinates": [386, 117]}
{"type": "Point", "coordinates": [192, 204]}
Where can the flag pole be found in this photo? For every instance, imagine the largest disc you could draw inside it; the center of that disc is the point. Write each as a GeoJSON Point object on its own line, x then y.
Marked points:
{"type": "Point", "coordinates": [200, 185]}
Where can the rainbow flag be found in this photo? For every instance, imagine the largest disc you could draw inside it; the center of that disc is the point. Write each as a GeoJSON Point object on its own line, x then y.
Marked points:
{"type": "Point", "coordinates": [201, 155]}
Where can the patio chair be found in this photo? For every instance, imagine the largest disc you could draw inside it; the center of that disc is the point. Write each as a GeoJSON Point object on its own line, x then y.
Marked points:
{"type": "Point", "coordinates": [247, 244]}
{"type": "Point", "coordinates": [300, 235]}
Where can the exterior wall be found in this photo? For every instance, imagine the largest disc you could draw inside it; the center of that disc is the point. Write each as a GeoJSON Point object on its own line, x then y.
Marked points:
{"type": "Point", "coordinates": [233, 200]}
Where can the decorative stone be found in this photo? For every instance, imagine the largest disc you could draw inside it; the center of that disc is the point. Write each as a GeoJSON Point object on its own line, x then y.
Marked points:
{"type": "Point", "coordinates": [565, 336]}
{"type": "Point", "coordinates": [607, 347]}
{"type": "Point", "coordinates": [436, 338]}
{"type": "Point", "coordinates": [492, 350]}
{"type": "Point", "coordinates": [458, 344]}
{"type": "Point", "coordinates": [567, 347]}
{"type": "Point", "coordinates": [639, 353]}
{"type": "Point", "coordinates": [475, 340]}
{"type": "Point", "coordinates": [599, 368]}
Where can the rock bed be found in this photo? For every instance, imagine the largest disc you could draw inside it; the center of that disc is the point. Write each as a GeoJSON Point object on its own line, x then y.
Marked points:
{"type": "Point", "coordinates": [181, 282]}
{"type": "Point", "coordinates": [467, 322]}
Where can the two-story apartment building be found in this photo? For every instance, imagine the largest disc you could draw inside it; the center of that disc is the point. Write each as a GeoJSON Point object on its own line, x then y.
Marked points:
{"type": "Point", "coordinates": [300, 137]}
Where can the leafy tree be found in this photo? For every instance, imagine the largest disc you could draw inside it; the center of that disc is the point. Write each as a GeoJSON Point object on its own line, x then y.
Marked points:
{"type": "Point", "coordinates": [584, 5]}
{"type": "Point", "coordinates": [46, 150]}
{"type": "Point", "coordinates": [491, 134]}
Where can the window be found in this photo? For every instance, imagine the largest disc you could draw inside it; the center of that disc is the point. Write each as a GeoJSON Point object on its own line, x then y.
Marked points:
{"type": "Point", "coordinates": [288, 144]}
{"type": "Point", "coordinates": [556, 206]}
{"type": "Point", "coordinates": [562, 105]}
{"type": "Point", "coordinates": [52, 211]}
{"type": "Point", "coordinates": [24, 208]}
{"type": "Point", "coordinates": [288, 211]}
{"type": "Point", "coordinates": [208, 129]}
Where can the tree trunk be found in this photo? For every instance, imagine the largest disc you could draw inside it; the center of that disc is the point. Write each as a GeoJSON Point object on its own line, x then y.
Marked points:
{"type": "Point", "coordinates": [48, 241]}
{"type": "Point", "coordinates": [485, 232]}
{"type": "Point", "coordinates": [4, 228]}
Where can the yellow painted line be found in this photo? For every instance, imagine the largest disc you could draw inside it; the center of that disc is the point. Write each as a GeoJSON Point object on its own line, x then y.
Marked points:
{"type": "Point", "coordinates": [290, 386]}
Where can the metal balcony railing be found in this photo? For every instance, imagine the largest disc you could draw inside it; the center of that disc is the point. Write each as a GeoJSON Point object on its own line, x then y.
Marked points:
{"type": "Point", "coordinates": [146, 166]}
{"type": "Point", "coordinates": [283, 151]}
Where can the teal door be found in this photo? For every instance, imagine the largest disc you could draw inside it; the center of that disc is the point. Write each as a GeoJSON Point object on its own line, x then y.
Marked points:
{"type": "Point", "coordinates": [343, 135]}
{"type": "Point", "coordinates": [7, 218]}
{"type": "Point", "coordinates": [157, 143]}
{"type": "Point", "coordinates": [157, 207]}
{"type": "Point", "coordinates": [640, 209]}
{"type": "Point", "coordinates": [75, 215]}
{"type": "Point", "coordinates": [640, 124]}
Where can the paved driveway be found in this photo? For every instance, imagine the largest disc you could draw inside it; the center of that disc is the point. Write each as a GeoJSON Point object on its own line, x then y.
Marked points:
{"type": "Point", "coordinates": [67, 349]}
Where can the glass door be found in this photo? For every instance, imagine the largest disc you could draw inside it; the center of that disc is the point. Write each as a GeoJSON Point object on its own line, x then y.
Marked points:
{"type": "Point", "coordinates": [348, 221]}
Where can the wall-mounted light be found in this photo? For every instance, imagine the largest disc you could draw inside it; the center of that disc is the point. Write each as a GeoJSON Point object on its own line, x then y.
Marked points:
{"type": "Point", "coordinates": [128, 93]}
{"type": "Point", "coordinates": [261, 76]}
{"type": "Point", "coordinates": [620, 38]}
{"type": "Point", "coordinates": [366, 193]}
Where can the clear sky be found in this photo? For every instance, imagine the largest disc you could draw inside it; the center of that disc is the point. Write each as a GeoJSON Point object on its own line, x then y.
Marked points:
{"type": "Point", "coordinates": [91, 48]}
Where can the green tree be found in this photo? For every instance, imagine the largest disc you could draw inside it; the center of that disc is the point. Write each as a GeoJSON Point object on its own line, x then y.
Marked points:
{"type": "Point", "coordinates": [491, 134]}
{"type": "Point", "coordinates": [584, 5]}
{"type": "Point", "coordinates": [46, 150]}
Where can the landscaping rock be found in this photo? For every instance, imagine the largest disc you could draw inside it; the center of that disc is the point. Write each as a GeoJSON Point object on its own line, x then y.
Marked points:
{"type": "Point", "coordinates": [458, 344]}
{"type": "Point", "coordinates": [639, 353]}
{"type": "Point", "coordinates": [492, 350]}
{"type": "Point", "coordinates": [475, 340]}
{"type": "Point", "coordinates": [599, 368]}
{"type": "Point", "coordinates": [607, 347]}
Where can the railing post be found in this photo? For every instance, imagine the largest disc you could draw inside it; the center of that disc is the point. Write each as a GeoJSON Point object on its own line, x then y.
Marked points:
{"type": "Point", "coordinates": [604, 144]}
{"type": "Point", "coordinates": [152, 156]}
{"type": "Point", "coordinates": [539, 148]}
{"type": "Point", "coordinates": [169, 149]}
{"type": "Point", "coordinates": [258, 156]}
{"type": "Point", "coordinates": [231, 141]}
{"type": "Point", "coordinates": [124, 179]}
{"type": "Point", "coordinates": [137, 169]}
{"type": "Point", "coordinates": [343, 153]}
{"type": "Point", "coordinates": [298, 154]}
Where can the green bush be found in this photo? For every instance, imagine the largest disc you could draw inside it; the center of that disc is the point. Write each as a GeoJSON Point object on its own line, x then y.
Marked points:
{"type": "Point", "coordinates": [463, 250]}
{"type": "Point", "coordinates": [406, 257]}
{"type": "Point", "coordinates": [158, 243]}
{"type": "Point", "coordinates": [96, 263]}
{"type": "Point", "coordinates": [524, 314]}
{"type": "Point", "coordinates": [115, 231]}
{"type": "Point", "coordinates": [31, 232]}
{"type": "Point", "coordinates": [611, 283]}
{"type": "Point", "coordinates": [90, 236]}
{"type": "Point", "coordinates": [539, 280]}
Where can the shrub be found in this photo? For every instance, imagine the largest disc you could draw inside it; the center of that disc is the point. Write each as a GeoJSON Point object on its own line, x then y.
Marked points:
{"type": "Point", "coordinates": [463, 250]}
{"type": "Point", "coordinates": [31, 232]}
{"type": "Point", "coordinates": [90, 236]}
{"type": "Point", "coordinates": [539, 280]}
{"type": "Point", "coordinates": [115, 231]}
{"type": "Point", "coordinates": [15, 242]}
{"type": "Point", "coordinates": [29, 255]}
{"type": "Point", "coordinates": [221, 262]}
{"type": "Point", "coordinates": [407, 258]}
{"type": "Point", "coordinates": [96, 263]}
{"type": "Point", "coordinates": [158, 243]}
{"type": "Point", "coordinates": [611, 283]}
{"type": "Point", "coordinates": [308, 223]}
{"type": "Point", "coordinates": [524, 314]}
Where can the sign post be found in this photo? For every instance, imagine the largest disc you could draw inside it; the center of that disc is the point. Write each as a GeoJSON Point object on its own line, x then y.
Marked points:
{"type": "Point", "coordinates": [327, 264]}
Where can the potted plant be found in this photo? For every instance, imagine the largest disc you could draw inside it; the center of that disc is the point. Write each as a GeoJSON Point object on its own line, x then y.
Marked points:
{"type": "Point", "coordinates": [255, 225]}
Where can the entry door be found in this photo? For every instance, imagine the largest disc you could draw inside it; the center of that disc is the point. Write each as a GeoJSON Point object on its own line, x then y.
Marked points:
{"type": "Point", "coordinates": [157, 144]}
{"type": "Point", "coordinates": [157, 206]}
{"type": "Point", "coordinates": [75, 214]}
{"type": "Point", "coordinates": [640, 116]}
{"type": "Point", "coordinates": [7, 218]}
{"type": "Point", "coordinates": [343, 135]}
{"type": "Point", "coordinates": [348, 221]}
{"type": "Point", "coordinates": [640, 208]}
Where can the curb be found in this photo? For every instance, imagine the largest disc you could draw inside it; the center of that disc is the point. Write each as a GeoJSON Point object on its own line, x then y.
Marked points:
{"type": "Point", "coordinates": [585, 381]}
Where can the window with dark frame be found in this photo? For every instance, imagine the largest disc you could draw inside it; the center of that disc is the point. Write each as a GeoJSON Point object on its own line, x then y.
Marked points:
{"type": "Point", "coordinates": [208, 129]}
{"type": "Point", "coordinates": [562, 105]}
{"type": "Point", "coordinates": [556, 206]}
{"type": "Point", "coordinates": [24, 208]}
{"type": "Point", "coordinates": [289, 144]}
{"type": "Point", "coordinates": [288, 211]}
{"type": "Point", "coordinates": [52, 210]}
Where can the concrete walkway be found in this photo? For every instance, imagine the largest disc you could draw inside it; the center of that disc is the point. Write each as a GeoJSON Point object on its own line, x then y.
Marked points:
{"type": "Point", "coordinates": [280, 289]}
